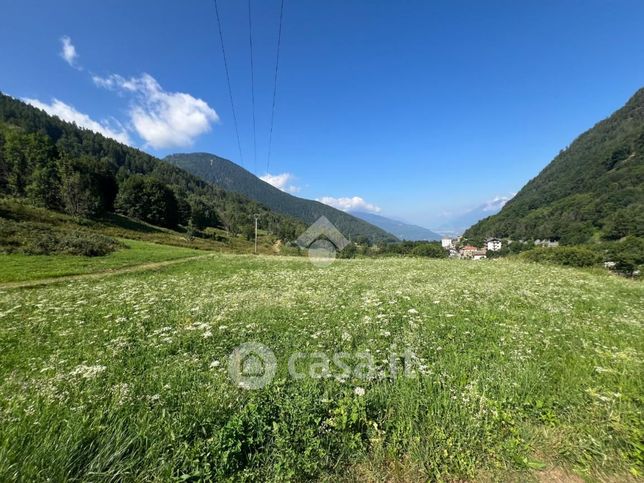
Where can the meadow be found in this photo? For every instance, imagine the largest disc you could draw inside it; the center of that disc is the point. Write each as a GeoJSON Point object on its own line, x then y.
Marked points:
{"type": "Point", "coordinates": [518, 372]}
{"type": "Point", "coordinates": [18, 267]}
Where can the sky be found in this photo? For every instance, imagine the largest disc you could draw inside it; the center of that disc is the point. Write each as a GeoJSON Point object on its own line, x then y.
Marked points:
{"type": "Point", "coordinates": [417, 110]}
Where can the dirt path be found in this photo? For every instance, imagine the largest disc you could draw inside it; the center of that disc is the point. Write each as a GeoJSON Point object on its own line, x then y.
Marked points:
{"type": "Point", "coordinates": [104, 273]}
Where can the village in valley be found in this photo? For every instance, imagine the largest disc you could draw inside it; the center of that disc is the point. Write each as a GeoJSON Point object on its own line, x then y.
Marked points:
{"type": "Point", "coordinates": [458, 249]}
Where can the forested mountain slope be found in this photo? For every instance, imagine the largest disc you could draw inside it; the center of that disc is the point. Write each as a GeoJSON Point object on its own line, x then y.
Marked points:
{"type": "Point", "coordinates": [231, 177]}
{"type": "Point", "coordinates": [592, 189]}
{"type": "Point", "coordinates": [57, 165]}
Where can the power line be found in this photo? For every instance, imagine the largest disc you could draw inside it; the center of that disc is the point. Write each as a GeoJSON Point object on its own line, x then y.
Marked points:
{"type": "Point", "coordinates": [230, 89]}
{"type": "Point", "coordinates": [277, 63]}
{"type": "Point", "coordinates": [252, 84]}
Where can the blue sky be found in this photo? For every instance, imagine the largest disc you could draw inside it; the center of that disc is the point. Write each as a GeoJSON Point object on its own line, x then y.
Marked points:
{"type": "Point", "coordinates": [421, 109]}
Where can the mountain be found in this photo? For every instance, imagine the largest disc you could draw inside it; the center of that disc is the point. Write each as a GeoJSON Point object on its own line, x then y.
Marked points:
{"type": "Point", "coordinates": [231, 177]}
{"type": "Point", "coordinates": [593, 189]}
{"type": "Point", "coordinates": [57, 165]}
{"type": "Point", "coordinates": [461, 222]}
{"type": "Point", "coordinates": [401, 230]}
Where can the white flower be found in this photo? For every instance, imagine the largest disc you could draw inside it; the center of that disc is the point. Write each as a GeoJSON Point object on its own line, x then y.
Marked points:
{"type": "Point", "coordinates": [359, 391]}
{"type": "Point", "coordinates": [214, 364]}
{"type": "Point", "coordinates": [412, 311]}
{"type": "Point", "coordinates": [87, 372]}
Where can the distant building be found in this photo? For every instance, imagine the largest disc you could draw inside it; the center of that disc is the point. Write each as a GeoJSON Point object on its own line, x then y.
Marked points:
{"type": "Point", "coordinates": [468, 251]}
{"type": "Point", "coordinates": [494, 244]}
{"type": "Point", "coordinates": [447, 243]}
{"type": "Point", "coordinates": [472, 252]}
{"type": "Point", "coordinates": [546, 243]}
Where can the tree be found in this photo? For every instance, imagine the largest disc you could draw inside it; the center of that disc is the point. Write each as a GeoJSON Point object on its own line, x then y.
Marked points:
{"type": "Point", "coordinates": [627, 221]}
{"type": "Point", "coordinates": [16, 163]}
{"type": "Point", "coordinates": [88, 186]}
{"type": "Point", "coordinates": [3, 166]}
{"type": "Point", "coordinates": [203, 213]}
{"type": "Point", "coordinates": [149, 200]}
{"type": "Point", "coordinates": [76, 197]}
{"type": "Point", "coordinates": [184, 209]}
{"type": "Point", "coordinates": [45, 187]}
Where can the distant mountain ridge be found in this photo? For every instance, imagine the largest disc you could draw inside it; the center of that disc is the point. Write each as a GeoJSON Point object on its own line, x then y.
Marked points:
{"type": "Point", "coordinates": [459, 223]}
{"type": "Point", "coordinates": [594, 189]}
{"type": "Point", "coordinates": [402, 230]}
{"type": "Point", "coordinates": [231, 177]}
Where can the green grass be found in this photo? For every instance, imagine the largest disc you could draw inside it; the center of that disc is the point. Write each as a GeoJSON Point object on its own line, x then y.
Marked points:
{"type": "Point", "coordinates": [118, 226]}
{"type": "Point", "coordinates": [520, 370]}
{"type": "Point", "coordinates": [18, 267]}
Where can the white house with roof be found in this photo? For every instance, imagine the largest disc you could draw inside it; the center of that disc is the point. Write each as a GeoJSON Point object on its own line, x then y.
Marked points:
{"type": "Point", "coordinates": [447, 243]}
{"type": "Point", "coordinates": [494, 244]}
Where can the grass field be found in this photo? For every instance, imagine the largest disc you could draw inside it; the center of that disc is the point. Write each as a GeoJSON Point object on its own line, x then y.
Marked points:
{"type": "Point", "coordinates": [517, 372]}
{"type": "Point", "coordinates": [20, 267]}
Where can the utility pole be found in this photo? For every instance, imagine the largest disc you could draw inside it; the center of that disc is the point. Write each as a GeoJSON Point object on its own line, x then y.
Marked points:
{"type": "Point", "coordinates": [256, 215]}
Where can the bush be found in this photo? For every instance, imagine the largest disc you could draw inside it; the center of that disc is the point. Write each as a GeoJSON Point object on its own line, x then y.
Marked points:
{"type": "Point", "coordinates": [42, 239]}
{"type": "Point", "coordinates": [431, 250]}
{"type": "Point", "coordinates": [567, 256]}
{"type": "Point", "coordinates": [87, 244]}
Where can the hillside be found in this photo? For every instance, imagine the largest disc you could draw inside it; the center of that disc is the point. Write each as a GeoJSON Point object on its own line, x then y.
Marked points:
{"type": "Point", "coordinates": [592, 189]}
{"type": "Point", "coordinates": [231, 177]}
{"type": "Point", "coordinates": [402, 230]}
{"type": "Point", "coordinates": [57, 165]}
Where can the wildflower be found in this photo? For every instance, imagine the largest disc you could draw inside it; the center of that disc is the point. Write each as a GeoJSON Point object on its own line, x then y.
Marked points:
{"type": "Point", "coordinates": [359, 391]}
{"type": "Point", "coordinates": [412, 311]}
{"type": "Point", "coordinates": [87, 372]}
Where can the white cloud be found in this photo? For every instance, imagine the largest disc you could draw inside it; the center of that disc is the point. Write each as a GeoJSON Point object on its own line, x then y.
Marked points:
{"type": "Point", "coordinates": [69, 113]}
{"type": "Point", "coordinates": [496, 203]}
{"type": "Point", "coordinates": [281, 181]}
{"type": "Point", "coordinates": [68, 52]}
{"type": "Point", "coordinates": [163, 119]}
{"type": "Point", "coordinates": [354, 203]}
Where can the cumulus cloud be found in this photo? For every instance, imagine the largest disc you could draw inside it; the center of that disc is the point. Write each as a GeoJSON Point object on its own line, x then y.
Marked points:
{"type": "Point", "coordinates": [281, 181]}
{"type": "Point", "coordinates": [163, 119]}
{"type": "Point", "coordinates": [68, 51]}
{"type": "Point", "coordinates": [496, 203]}
{"type": "Point", "coordinates": [68, 113]}
{"type": "Point", "coordinates": [355, 203]}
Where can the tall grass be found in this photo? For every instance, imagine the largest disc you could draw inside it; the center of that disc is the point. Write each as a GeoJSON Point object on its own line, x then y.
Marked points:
{"type": "Point", "coordinates": [519, 368]}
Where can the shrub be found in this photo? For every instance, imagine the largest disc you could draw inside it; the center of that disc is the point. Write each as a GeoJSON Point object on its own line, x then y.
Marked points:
{"type": "Point", "coordinates": [87, 244]}
{"type": "Point", "coordinates": [42, 239]}
{"type": "Point", "coordinates": [431, 250]}
{"type": "Point", "coordinates": [567, 256]}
